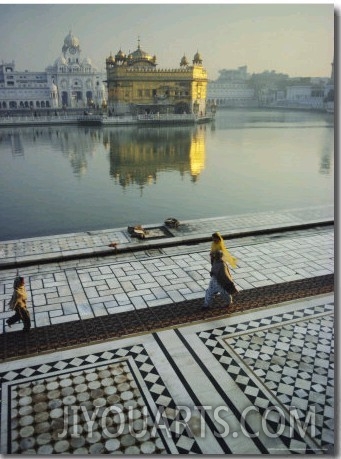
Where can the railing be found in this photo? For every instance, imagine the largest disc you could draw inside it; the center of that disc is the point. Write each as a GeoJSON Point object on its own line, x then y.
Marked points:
{"type": "Point", "coordinates": [153, 118]}
{"type": "Point", "coordinates": [162, 117]}
{"type": "Point", "coordinates": [90, 118]}
{"type": "Point", "coordinates": [37, 120]}
{"type": "Point", "coordinates": [105, 120]}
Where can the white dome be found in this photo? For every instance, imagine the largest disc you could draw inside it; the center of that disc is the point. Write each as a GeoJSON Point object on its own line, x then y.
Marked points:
{"type": "Point", "coordinates": [60, 61]}
{"type": "Point", "coordinates": [87, 61]}
{"type": "Point", "coordinates": [71, 41]}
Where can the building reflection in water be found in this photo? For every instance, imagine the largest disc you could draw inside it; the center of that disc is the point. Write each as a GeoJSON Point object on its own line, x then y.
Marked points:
{"type": "Point", "coordinates": [137, 155]}
{"type": "Point", "coordinates": [197, 153]}
{"type": "Point", "coordinates": [17, 146]}
{"type": "Point", "coordinates": [75, 144]}
{"type": "Point", "coordinates": [327, 152]}
{"type": "Point", "coordinates": [12, 140]}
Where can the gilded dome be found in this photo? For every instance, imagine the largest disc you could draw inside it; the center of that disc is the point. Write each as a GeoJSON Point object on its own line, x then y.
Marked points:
{"type": "Point", "coordinates": [141, 56]}
{"type": "Point", "coordinates": [184, 61]}
{"type": "Point", "coordinates": [197, 58]}
{"type": "Point", "coordinates": [120, 55]}
{"type": "Point", "coordinates": [110, 58]}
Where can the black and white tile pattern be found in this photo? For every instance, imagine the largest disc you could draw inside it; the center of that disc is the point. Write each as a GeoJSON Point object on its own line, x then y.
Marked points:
{"type": "Point", "coordinates": [290, 355]}
{"type": "Point", "coordinates": [248, 370]}
{"type": "Point", "coordinates": [96, 373]}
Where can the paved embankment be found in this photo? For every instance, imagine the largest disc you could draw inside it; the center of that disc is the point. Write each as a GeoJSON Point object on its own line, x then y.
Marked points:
{"type": "Point", "coordinates": [148, 345]}
{"type": "Point", "coordinates": [24, 252]}
{"type": "Point", "coordinates": [86, 288]}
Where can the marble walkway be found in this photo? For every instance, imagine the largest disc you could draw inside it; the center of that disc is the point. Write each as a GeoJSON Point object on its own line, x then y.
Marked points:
{"type": "Point", "coordinates": [144, 277]}
{"type": "Point", "coordinates": [254, 382]}
{"type": "Point", "coordinates": [21, 252]}
{"type": "Point", "coordinates": [260, 382]}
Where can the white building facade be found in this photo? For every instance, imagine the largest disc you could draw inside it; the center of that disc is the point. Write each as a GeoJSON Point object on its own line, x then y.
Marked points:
{"type": "Point", "coordinates": [309, 96]}
{"type": "Point", "coordinates": [231, 89]}
{"type": "Point", "coordinates": [25, 90]}
{"type": "Point", "coordinates": [78, 82]}
{"type": "Point", "coordinates": [71, 82]}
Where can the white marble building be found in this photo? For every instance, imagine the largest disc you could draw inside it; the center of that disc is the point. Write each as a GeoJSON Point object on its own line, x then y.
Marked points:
{"type": "Point", "coordinates": [305, 96]}
{"type": "Point", "coordinates": [231, 89]}
{"type": "Point", "coordinates": [25, 90]}
{"type": "Point", "coordinates": [71, 82]}
{"type": "Point", "coordinates": [78, 82]}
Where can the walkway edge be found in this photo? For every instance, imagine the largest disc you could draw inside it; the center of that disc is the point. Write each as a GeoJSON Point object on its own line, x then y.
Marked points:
{"type": "Point", "coordinates": [141, 245]}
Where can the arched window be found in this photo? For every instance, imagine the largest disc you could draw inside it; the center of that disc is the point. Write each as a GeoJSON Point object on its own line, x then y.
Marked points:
{"type": "Point", "coordinates": [38, 104]}
{"type": "Point", "coordinates": [65, 98]}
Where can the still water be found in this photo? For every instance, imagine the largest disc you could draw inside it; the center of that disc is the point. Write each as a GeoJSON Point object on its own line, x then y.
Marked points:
{"type": "Point", "coordinates": [65, 179]}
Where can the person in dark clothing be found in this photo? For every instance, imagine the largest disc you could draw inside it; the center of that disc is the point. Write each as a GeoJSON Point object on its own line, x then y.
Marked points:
{"type": "Point", "coordinates": [221, 280]}
{"type": "Point", "coordinates": [18, 304]}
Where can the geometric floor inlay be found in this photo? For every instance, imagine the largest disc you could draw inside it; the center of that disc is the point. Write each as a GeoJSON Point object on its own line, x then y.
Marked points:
{"type": "Point", "coordinates": [51, 415]}
{"type": "Point", "coordinates": [293, 361]}
{"type": "Point", "coordinates": [110, 404]}
{"type": "Point", "coordinates": [107, 398]}
{"type": "Point", "coordinates": [296, 362]}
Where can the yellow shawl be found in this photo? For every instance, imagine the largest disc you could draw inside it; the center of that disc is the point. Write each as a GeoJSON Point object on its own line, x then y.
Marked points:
{"type": "Point", "coordinates": [227, 257]}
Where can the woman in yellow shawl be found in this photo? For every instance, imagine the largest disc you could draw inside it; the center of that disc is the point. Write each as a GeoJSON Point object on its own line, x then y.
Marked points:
{"type": "Point", "coordinates": [218, 244]}
{"type": "Point", "coordinates": [221, 281]}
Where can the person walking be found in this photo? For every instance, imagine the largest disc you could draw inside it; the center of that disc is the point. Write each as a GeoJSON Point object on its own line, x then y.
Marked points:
{"type": "Point", "coordinates": [218, 244]}
{"type": "Point", "coordinates": [221, 280]}
{"type": "Point", "coordinates": [18, 304]}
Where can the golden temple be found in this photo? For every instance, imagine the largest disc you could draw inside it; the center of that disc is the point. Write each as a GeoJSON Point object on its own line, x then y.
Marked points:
{"type": "Point", "coordinates": [136, 86]}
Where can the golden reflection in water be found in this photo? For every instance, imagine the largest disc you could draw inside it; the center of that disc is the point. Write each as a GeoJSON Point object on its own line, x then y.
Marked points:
{"type": "Point", "coordinates": [197, 153]}
{"type": "Point", "coordinates": [137, 156]}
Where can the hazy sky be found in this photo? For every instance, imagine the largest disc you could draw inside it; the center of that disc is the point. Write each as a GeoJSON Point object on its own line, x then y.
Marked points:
{"type": "Point", "coordinates": [296, 39]}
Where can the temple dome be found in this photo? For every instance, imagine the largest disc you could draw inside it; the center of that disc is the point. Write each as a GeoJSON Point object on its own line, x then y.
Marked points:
{"type": "Point", "coordinates": [141, 56]}
{"type": "Point", "coordinates": [60, 61]}
{"type": "Point", "coordinates": [120, 55]}
{"type": "Point", "coordinates": [197, 58]}
{"type": "Point", "coordinates": [71, 41]}
{"type": "Point", "coordinates": [110, 58]}
{"type": "Point", "coordinates": [184, 61]}
{"type": "Point", "coordinates": [87, 61]}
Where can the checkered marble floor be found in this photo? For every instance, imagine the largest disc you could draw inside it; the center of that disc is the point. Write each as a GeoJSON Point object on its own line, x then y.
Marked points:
{"type": "Point", "coordinates": [250, 383]}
